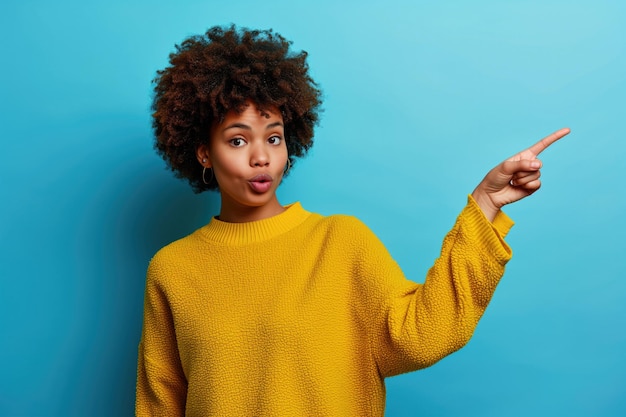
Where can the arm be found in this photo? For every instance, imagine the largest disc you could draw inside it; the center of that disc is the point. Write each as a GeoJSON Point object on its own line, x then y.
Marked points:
{"type": "Point", "coordinates": [422, 323]}
{"type": "Point", "coordinates": [161, 383]}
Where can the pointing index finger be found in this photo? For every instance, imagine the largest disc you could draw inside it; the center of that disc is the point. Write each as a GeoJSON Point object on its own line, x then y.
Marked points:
{"type": "Point", "coordinates": [540, 146]}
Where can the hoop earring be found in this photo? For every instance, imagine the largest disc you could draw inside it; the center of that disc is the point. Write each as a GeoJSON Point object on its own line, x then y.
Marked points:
{"type": "Point", "coordinates": [204, 180]}
{"type": "Point", "coordinates": [288, 167]}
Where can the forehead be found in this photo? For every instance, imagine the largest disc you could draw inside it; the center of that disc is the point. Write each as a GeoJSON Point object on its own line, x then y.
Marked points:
{"type": "Point", "coordinates": [249, 118]}
{"type": "Point", "coordinates": [252, 114]}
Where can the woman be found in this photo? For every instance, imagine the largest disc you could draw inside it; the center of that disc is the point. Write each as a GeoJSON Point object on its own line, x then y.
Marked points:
{"type": "Point", "coordinates": [273, 310]}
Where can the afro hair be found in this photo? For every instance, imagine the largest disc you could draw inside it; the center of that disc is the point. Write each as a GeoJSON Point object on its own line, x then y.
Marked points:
{"type": "Point", "coordinates": [212, 74]}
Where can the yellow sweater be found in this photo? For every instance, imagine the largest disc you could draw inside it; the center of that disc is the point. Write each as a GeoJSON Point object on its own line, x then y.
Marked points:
{"type": "Point", "coordinates": [301, 314]}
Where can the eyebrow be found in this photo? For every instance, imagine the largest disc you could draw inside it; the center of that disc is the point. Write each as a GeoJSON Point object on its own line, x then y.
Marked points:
{"type": "Point", "coordinates": [246, 127]}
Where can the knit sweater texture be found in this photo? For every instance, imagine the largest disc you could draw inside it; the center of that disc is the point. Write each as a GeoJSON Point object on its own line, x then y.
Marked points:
{"type": "Point", "coordinates": [301, 314]}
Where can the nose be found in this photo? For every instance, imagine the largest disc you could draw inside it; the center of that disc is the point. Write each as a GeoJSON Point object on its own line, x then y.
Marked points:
{"type": "Point", "coordinates": [259, 156]}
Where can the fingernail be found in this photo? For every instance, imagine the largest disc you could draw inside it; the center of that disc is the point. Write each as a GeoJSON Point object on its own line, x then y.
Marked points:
{"type": "Point", "coordinates": [535, 164]}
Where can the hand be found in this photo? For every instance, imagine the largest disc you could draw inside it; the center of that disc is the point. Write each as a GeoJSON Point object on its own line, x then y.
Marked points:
{"type": "Point", "coordinates": [513, 179]}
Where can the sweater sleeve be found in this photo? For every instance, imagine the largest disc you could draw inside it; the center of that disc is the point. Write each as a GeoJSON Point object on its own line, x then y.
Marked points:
{"type": "Point", "coordinates": [415, 325]}
{"type": "Point", "coordinates": [161, 382]}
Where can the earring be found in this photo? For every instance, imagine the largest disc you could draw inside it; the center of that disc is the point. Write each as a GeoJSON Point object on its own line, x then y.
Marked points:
{"type": "Point", "coordinates": [288, 167]}
{"type": "Point", "coordinates": [203, 179]}
{"type": "Point", "coordinates": [204, 160]}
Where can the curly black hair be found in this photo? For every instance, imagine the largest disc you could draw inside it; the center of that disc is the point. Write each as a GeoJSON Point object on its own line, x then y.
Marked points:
{"type": "Point", "coordinates": [220, 71]}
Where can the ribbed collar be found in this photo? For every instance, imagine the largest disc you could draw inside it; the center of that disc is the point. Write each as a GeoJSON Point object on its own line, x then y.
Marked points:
{"type": "Point", "coordinates": [257, 231]}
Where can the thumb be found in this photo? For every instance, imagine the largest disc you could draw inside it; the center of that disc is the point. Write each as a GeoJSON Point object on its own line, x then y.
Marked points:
{"type": "Point", "coordinates": [510, 168]}
{"type": "Point", "coordinates": [501, 176]}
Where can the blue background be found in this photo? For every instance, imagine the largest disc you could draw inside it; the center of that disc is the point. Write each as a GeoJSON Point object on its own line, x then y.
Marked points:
{"type": "Point", "coordinates": [421, 100]}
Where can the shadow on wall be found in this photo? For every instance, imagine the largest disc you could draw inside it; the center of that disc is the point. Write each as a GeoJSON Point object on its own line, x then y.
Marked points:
{"type": "Point", "coordinates": [133, 210]}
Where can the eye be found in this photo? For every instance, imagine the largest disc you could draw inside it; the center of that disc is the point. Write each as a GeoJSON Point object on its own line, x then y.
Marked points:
{"type": "Point", "coordinates": [275, 140]}
{"type": "Point", "coordinates": [237, 142]}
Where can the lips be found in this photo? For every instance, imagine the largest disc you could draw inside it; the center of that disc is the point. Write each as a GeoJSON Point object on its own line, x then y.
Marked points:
{"type": "Point", "coordinates": [260, 183]}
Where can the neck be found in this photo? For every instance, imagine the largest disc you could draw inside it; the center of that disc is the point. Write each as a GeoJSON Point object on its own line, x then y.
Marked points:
{"type": "Point", "coordinates": [235, 213]}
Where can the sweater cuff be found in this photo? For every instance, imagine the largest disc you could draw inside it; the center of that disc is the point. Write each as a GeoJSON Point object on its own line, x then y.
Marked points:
{"type": "Point", "coordinates": [492, 233]}
{"type": "Point", "coordinates": [501, 223]}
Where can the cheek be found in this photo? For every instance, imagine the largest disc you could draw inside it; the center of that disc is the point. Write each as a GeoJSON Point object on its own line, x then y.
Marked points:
{"type": "Point", "coordinates": [224, 171]}
{"type": "Point", "coordinates": [228, 164]}
{"type": "Point", "coordinates": [283, 154]}
{"type": "Point", "coordinates": [280, 163]}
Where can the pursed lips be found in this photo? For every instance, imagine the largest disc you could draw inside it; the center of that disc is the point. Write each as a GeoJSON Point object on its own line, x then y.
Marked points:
{"type": "Point", "coordinates": [260, 183]}
{"type": "Point", "coordinates": [261, 178]}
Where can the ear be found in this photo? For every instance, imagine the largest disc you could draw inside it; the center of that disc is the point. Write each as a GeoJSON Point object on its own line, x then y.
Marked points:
{"type": "Point", "coordinates": [202, 153]}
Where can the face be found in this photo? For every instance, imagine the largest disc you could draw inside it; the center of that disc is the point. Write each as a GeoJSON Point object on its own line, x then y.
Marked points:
{"type": "Point", "coordinates": [248, 154]}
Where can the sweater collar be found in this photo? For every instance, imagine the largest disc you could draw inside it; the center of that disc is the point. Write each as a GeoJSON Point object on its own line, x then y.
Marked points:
{"type": "Point", "coordinates": [256, 231]}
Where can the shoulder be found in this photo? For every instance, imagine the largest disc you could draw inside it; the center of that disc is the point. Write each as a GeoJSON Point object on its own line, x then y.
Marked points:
{"type": "Point", "coordinates": [171, 256]}
{"type": "Point", "coordinates": [337, 222]}
{"type": "Point", "coordinates": [353, 243]}
{"type": "Point", "coordinates": [344, 228]}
